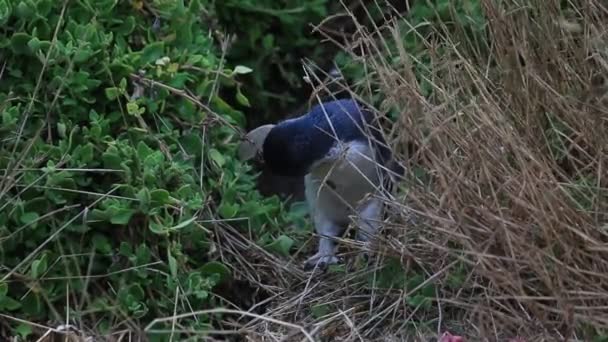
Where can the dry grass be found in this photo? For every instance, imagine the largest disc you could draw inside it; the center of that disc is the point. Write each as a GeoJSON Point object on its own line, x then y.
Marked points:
{"type": "Point", "coordinates": [513, 147]}
{"type": "Point", "coordinates": [513, 141]}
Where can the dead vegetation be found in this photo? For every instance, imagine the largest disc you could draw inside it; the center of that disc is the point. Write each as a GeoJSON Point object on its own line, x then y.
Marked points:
{"type": "Point", "coordinates": [504, 208]}
{"type": "Point", "coordinates": [512, 144]}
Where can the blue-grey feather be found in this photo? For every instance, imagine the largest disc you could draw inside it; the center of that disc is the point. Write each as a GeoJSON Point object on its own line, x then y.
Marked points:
{"type": "Point", "coordinates": [294, 145]}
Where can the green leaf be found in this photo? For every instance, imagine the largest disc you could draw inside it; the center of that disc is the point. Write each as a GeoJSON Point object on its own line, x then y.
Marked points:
{"type": "Point", "coordinates": [5, 11]}
{"type": "Point", "coordinates": [152, 52]}
{"type": "Point", "coordinates": [414, 281]}
{"type": "Point", "coordinates": [127, 26]}
{"type": "Point", "coordinates": [337, 268]}
{"type": "Point", "coordinates": [125, 249]}
{"type": "Point", "coordinates": [217, 157]}
{"type": "Point", "coordinates": [215, 267]}
{"type": "Point", "coordinates": [183, 224]}
{"type": "Point", "coordinates": [143, 254]}
{"type": "Point", "coordinates": [241, 69]}
{"type": "Point", "coordinates": [320, 310]}
{"type": "Point", "coordinates": [281, 245]}
{"type": "Point", "coordinates": [82, 55]}
{"type": "Point", "coordinates": [43, 7]}
{"type": "Point", "coordinates": [428, 290]}
{"type": "Point", "coordinates": [121, 216]}
{"type": "Point", "coordinates": [121, 69]}
{"type": "Point", "coordinates": [192, 144]}
{"type": "Point", "coordinates": [160, 197]}
{"type": "Point", "coordinates": [154, 160]}
{"type": "Point", "coordinates": [299, 208]}
{"type": "Point", "coordinates": [187, 110]}
{"type": "Point", "coordinates": [111, 160]}
{"type": "Point", "coordinates": [19, 43]}
{"type": "Point", "coordinates": [9, 304]}
{"type": "Point", "coordinates": [83, 154]}
{"type": "Point", "coordinates": [24, 330]}
{"type": "Point", "coordinates": [419, 301]}
{"type": "Point", "coordinates": [599, 338]}
{"type": "Point", "coordinates": [195, 6]}
{"type": "Point", "coordinates": [179, 81]}
{"type": "Point", "coordinates": [23, 11]}
{"type": "Point", "coordinates": [172, 265]}
{"type": "Point", "coordinates": [61, 130]}
{"type": "Point", "coordinates": [137, 291]}
{"type": "Point", "coordinates": [242, 99]}
{"type": "Point", "coordinates": [443, 10]}
{"type": "Point", "coordinates": [393, 275]}
{"type": "Point", "coordinates": [34, 44]}
{"type": "Point", "coordinates": [457, 278]}
{"type": "Point", "coordinates": [228, 210]}
{"type": "Point", "coordinates": [144, 198]}
{"type": "Point", "coordinates": [29, 217]}
{"type": "Point", "coordinates": [38, 267]}
{"type": "Point", "coordinates": [134, 109]}
{"type": "Point", "coordinates": [143, 150]}
{"type": "Point", "coordinates": [3, 289]}
{"type": "Point", "coordinates": [415, 300]}
{"type": "Point", "coordinates": [32, 304]}
{"type": "Point", "coordinates": [185, 191]}
{"type": "Point", "coordinates": [112, 93]}
{"type": "Point", "coordinates": [102, 244]}
{"type": "Point", "coordinates": [157, 228]}
{"type": "Point", "coordinates": [268, 41]}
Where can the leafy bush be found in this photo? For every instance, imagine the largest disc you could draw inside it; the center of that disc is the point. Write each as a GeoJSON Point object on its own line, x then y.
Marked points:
{"type": "Point", "coordinates": [272, 38]}
{"type": "Point", "coordinates": [116, 154]}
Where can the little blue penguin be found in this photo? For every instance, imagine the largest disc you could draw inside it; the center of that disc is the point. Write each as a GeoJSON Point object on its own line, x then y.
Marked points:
{"type": "Point", "coordinates": [344, 160]}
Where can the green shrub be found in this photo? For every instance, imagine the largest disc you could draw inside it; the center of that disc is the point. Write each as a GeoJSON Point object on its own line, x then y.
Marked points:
{"type": "Point", "coordinates": [118, 162]}
{"type": "Point", "coordinates": [272, 38]}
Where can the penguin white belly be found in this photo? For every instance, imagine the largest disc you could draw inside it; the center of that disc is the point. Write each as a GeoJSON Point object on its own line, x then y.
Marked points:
{"type": "Point", "coordinates": [345, 177]}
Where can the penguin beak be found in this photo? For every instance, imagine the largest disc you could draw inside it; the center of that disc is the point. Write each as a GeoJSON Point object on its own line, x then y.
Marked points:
{"type": "Point", "coordinates": [252, 143]}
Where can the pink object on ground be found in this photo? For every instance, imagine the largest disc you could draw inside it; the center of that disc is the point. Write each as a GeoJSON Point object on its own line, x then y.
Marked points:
{"type": "Point", "coordinates": [447, 337]}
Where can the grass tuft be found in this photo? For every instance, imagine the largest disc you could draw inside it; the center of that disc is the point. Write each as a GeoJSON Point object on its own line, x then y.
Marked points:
{"type": "Point", "coordinates": [500, 228]}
